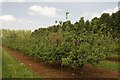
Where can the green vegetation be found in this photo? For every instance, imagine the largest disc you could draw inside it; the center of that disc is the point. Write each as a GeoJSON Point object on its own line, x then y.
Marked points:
{"type": "Point", "coordinates": [0, 62]}
{"type": "Point", "coordinates": [69, 44]}
{"type": "Point", "coordinates": [109, 65]}
{"type": "Point", "coordinates": [114, 56]}
{"type": "Point", "coordinates": [14, 69]}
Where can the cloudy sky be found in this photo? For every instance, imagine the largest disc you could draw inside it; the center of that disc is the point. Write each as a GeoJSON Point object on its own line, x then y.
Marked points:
{"type": "Point", "coordinates": [33, 14]}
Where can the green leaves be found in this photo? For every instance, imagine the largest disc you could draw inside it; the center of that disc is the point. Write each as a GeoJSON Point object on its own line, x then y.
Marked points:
{"type": "Point", "coordinates": [70, 44]}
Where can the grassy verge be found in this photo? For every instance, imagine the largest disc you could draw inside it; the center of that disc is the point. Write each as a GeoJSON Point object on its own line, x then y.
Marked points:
{"type": "Point", "coordinates": [11, 68]}
{"type": "Point", "coordinates": [0, 62]}
{"type": "Point", "coordinates": [109, 65]}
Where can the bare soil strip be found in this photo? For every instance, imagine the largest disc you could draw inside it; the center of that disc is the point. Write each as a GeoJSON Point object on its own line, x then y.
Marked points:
{"type": "Point", "coordinates": [53, 71]}
{"type": "Point", "coordinates": [116, 60]}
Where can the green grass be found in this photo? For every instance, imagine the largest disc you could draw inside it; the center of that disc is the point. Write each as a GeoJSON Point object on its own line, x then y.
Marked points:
{"type": "Point", "coordinates": [11, 68]}
{"type": "Point", "coordinates": [109, 65]}
{"type": "Point", "coordinates": [0, 62]}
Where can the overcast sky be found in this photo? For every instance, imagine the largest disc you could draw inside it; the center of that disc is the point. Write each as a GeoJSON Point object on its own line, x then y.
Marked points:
{"type": "Point", "coordinates": [22, 14]}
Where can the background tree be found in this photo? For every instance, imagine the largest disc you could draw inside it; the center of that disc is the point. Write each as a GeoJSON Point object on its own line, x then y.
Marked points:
{"type": "Point", "coordinates": [66, 15]}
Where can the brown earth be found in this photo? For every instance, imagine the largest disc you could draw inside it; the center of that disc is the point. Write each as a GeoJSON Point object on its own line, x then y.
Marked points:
{"type": "Point", "coordinates": [113, 59]}
{"type": "Point", "coordinates": [51, 71]}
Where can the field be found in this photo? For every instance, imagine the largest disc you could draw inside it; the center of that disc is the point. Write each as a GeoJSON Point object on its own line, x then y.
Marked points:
{"type": "Point", "coordinates": [38, 67]}
{"type": "Point", "coordinates": [85, 49]}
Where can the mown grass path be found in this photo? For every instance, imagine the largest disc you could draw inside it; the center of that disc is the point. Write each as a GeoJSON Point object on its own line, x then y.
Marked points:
{"type": "Point", "coordinates": [12, 68]}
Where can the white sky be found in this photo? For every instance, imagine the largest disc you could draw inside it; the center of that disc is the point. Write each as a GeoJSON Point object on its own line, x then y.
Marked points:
{"type": "Point", "coordinates": [59, 0]}
{"type": "Point", "coordinates": [22, 14]}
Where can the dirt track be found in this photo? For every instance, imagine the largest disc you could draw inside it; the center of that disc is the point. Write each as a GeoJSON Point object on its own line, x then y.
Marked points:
{"type": "Point", "coordinates": [49, 71]}
{"type": "Point", "coordinates": [116, 60]}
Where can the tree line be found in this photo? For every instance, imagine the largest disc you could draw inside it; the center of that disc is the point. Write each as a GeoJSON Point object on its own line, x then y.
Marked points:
{"type": "Point", "coordinates": [84, 42]}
